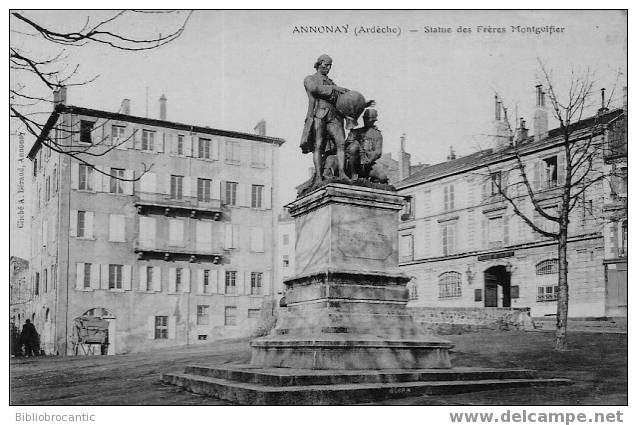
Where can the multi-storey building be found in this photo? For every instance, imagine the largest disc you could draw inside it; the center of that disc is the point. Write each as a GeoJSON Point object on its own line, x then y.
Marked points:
{"type": "Point", "coordinates": [465, 247]}
{"type": "Point", "coordinates": [168, 234]}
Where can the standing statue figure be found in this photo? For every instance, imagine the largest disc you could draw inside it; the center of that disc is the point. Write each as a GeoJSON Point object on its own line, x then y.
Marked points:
{"type": "Point", "coordinates": [323, 120]}
{"type": "Point", "coordinates": [364, 147]}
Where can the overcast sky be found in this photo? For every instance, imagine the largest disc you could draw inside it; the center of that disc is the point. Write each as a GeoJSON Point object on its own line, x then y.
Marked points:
{"type": "Point", "coordinates": [231, 69]}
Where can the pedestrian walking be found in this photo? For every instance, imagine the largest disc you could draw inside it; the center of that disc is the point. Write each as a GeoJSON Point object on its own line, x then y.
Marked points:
{"type": "Point", "coordinates": [29, 338]}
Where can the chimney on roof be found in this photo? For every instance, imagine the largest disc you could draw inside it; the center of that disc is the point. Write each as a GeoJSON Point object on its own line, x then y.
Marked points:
{"type": "Point", "coordinates": [501, 133]}
{"type": "Point", "coordinates": [162, 107]}
{"type": "Point", "coordinates": [452, 154]}
{"type": "Point", "coordinates": [603, 108]}
{"type": "Point", "coordinates": [541, 115]}
{"type": "Point", "coordinates": [521, 132]}
{"type": "Point", "coordinates": [59, 96]}
{"type": "Point", "coordinates": [404, 159]}
{"type": "Point", "coordinates": [260, 128]}
{"type": "Point", "coordinates": [125, 107]}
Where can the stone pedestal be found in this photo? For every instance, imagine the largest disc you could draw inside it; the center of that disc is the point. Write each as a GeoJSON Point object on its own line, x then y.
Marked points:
{"type": "Point", "coordinates": [346, 304]}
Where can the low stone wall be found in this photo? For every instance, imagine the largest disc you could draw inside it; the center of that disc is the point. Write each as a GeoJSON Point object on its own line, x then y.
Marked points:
{"type": "Point", "coordinates": [451, 320]}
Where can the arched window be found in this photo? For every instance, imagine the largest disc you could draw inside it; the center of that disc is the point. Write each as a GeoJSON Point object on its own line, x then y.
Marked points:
{"type": "Point", "coordinates": [546, 275]}
{"type": "Point", "coordinates": [449, 285]}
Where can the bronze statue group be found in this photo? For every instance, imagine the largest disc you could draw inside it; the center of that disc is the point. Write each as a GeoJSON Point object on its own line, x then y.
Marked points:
{"type": "Point", "coordinates": [331, 110]}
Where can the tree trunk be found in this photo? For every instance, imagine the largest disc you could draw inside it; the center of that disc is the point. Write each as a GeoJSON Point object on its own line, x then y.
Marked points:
{"type": "Point", "coordinates": [562, 296]}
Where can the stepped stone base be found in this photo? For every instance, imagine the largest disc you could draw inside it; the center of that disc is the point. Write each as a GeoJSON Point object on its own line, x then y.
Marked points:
{"type": "Point", "coordinates": [249, 385]}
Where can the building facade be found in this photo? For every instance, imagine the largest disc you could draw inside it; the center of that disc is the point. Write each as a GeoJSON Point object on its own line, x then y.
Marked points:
{"type": "Point", "coordinates": [286, 258]}
{"type": "Point", "coordinates": [464, 245]}
{"type": "Point", "coordinates": [168, 237]}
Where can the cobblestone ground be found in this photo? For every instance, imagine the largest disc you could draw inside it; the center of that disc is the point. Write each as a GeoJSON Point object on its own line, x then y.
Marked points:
{"type": "Point", "coordinates": [597, 363]}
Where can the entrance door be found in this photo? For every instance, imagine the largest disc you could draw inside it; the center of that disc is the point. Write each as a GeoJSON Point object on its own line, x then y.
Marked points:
{"type": "Point", "coordinates": [616, 289]}
{"type": "Point", "coordinates": [497, 287]}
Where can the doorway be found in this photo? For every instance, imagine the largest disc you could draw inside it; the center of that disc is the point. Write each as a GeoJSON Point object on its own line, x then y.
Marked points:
{"type": "Point", "coordinates": [497, 287]}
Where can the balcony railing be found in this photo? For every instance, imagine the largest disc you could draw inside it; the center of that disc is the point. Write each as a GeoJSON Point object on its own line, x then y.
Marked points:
{"type": "Point", "coordinates": [546, 297]}
{"type": "Point", "coordinates": [149, 201]}
{"type": "Point", "coordinates": [148, 248]}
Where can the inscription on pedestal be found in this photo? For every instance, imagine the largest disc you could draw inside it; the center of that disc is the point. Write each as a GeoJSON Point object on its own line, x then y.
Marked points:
{"type": "Point", "coordinates": [364, 244]}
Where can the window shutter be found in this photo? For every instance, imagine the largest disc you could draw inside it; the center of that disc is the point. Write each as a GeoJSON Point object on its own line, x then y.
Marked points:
{"type": "Point", "coordinates": [79, 276]}
{"type": "Point", "coordinates": [159, 141]}
{"type": "Point", "coordinates": [89, 224]}
{"type": "Point", "coordinates": [186, 187]}
{"type": "Point", "coordinates": [505, 224]}
{"type": "Point", "coordinates": [537, 175]}
{"type": "Point", "coordinates": [189, 143]}
{"type": "Point", "coordinates": [222, 191]}
{"type": "Point", "coordinates": [137, 138]}
{"type": "Point", "coordinates": [214, 149]}
{"type": "Point", "coordinates": [150, 327]}
{"type": "Point", "coordinates": [95, 276]}
{"type": "Point", "coordinates": [171, 280]}
{"type": "Point", "coordinates": [126, 277]}
{"type": "Point", "coordinates": [215, 190]}
{"type": "Point", "coordinates": [228, 236]}
{"type": "Point", "coordinates": [104, 272]}
{"type": "Point", "coordinates": [143, 284]}
{"type": "Point", "coordinates": [239, 283]}
{"type": "Point", "coordinates": [214, 281]}
{"type": "Point", "coordinates": [200, 287]}
{"type": "Point", "coordinates": [106, 179]}
{"type": "Point", "coordinates": [75, 174]}
{"type": "Point", "coordinates": [267, 197]}
{"type": "Point", "coordinates": [172, 143]}
{"type": "Point", "coordinates": [73, 223]}
{"type": "Point", "coordinates": [241, 195]}
{"type": "Point", "coordinates": [235, 236]}
{"type": "Point", "coordinates": [186, 279]}
{"type": "Point", "coordinates": [172, 327]}
{"type": "Point", "coordinates": [157, 279]}
{"type": "Point", "coordinates": [266, 284]}
{"type": "Point", "coordinates": [561, 169]}
{"type": "Point", "coordinates": [128, 185]}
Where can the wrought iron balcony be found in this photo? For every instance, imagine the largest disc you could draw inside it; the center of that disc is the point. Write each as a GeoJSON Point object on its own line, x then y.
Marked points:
{"type": "Point", "coordinates": [155, 249]}
{"type": "Point", "coordinates": [148, 202]}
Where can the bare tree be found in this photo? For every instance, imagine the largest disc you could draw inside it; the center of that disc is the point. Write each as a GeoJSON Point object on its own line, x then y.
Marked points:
{"type": "Point", "coordinates": [33, 77]}
{"type": "Point", "coordinates": [583, 147]}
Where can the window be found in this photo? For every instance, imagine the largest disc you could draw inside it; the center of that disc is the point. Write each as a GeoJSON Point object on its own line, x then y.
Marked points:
{"type": "Point", "coordinates": [254, 313]}
{"type": "Point", "coordinates": [115, 276]}
{"type": "Point", "coordinates": [286, 239]}
{"type": "Point", "coordinates": [206, 281]}
{"type": "Point", "coordinates": [47, 190]}
{"type": "Point", "coordinates": [406, 248]}
{"type": "Point", "coordinates": [286, 261]}
{"type": "Point", "coordinates": [147, 232]}
{"type": "Point", "coordinates": [181, 142]}
{"type": "Point", "coordinates": [624, 248]}
{"type": "Point", "coordinates": [257, 196]}
{"type": "Point", "coordinates": [87, 275]}
{"type": "Point", "coordinates": [233, 152]}
{"type": "Point", "coordinates": [448, 197]}
{"type": "Point", "coordinates": [149, 276]}
{"type": "Point", "coordinates": [231, 282]}
{"type": "Point", "coordinates": [117, 134]}
{"type": "Point", "coordinates": [54, 186]}
{"type": "Point", "coordinates": [448, 232]}
{"type": "Point", "coordinates": [81, 224]}
{"type": "Point", "coordinates": [161, 327]}
{"type": "Point", "coordinates": [85, 180]}
{"type": "Point", "coordinates": [230, 316]}
{"type": "Point", "coordinates": [178, 278]}
{"type": "Point", "coordinates": [449, 285]}
{"type": "Point", "coordinates": [202, 314]}
{"type": "Point", "coordinates": [256, 280]}
{"type": "Point", "coordinates": [176, 232]}
{"type": "Point", "coordinates": [231, 193]}
{"type": "Point", "coordinates": [408, 209]}
{"type": "Point", "coordinates": [117, 228]}
{"type": "Point", "coordinates": [86, 127]}
{"type": "Point", "coordinates": [37, 283]}
{"type": "Point", "coordinates": [116, 184]}
{"type": "Point", "coordinates": [496, 182]}
{"type": "Point", "coordinates": [203, 190]}
{"type": "Point", "coordinates": [496, 232]}
{"type": "Point", "coordinates": [45, 280]}
{"type": "Point", "coordinates": [547, 280]}
{"type": "Point", "coordinates": [148, 140]}
{"type": "Point", "coordinates": [54, 278]}
{"type": "Point", "coordinates": [550, 172]}
{"type": "Point", "coordinates": [477, 295]}
{"type": "Point", "coordinates": [204, 148]}
{"type": "Point", "coordinates": [176, 187]}
{"type": "Point", "coordinates": [258, 155]}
